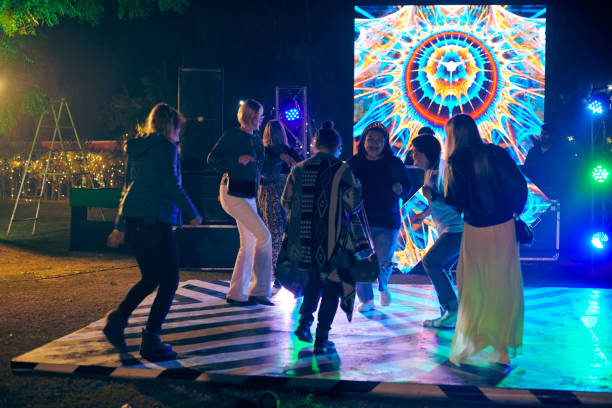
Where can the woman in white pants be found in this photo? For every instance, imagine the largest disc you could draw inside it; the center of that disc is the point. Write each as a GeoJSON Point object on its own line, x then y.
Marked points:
{"type": "Point", "coordinates": [239, 154]}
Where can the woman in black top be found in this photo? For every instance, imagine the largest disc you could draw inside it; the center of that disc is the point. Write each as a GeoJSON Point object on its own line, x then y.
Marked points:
{"type": "Point", "coordinates": [280, 158]}
{"type": "Point", "coordinates": [384, 181]}
{"type": "Point", "coordinates": [485, 183]}
{"type": "Point", "coordinates": [239, 155]}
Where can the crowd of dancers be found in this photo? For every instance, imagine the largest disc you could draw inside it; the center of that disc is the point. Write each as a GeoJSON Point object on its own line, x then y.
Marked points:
{"type": "Point", "coordinates": [296, 211]}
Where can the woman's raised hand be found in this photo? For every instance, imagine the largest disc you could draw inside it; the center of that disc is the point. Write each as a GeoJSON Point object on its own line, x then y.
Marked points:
{"type": "Point", "coordinates": [196, 221]}
{"type": "Point", "coordinates": [287, 159]}
{"type": "Point", "coordinates": [115, 239]}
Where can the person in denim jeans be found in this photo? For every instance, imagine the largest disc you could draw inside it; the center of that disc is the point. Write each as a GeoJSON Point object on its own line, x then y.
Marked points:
{"type": "Point", "coordinates": [426, 155]}
{"type": "Point", "coordinates": [384, 181]}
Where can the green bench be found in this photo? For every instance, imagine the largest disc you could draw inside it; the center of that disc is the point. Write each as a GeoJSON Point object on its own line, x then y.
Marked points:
{"type": "Point", "coordinates": [85, 234]}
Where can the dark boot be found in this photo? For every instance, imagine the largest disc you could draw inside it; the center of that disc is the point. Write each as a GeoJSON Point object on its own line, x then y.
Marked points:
{"type": "Point", "coordinates": [113, 330]}
{"type": "Point", "coordinates": [262, 300]}
{"type": "Point", "coordinates": [153, 347]}
{"type": "Point", "coordinates": [303, 332]}
{"type": "Point", "coordinates": [322, 344]}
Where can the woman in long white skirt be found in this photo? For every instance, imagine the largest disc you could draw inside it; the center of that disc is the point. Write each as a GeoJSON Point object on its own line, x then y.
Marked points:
{"type": "Point", "coordinates": [485, 183]}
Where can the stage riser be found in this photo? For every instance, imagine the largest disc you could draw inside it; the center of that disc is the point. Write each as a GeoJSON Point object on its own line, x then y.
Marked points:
{"type": "Point", "coordinates": [203, 189]}
{"type": "Point", "coordinates": [546, 237]}
{"type": "Point", "coordinates": [208, 247]}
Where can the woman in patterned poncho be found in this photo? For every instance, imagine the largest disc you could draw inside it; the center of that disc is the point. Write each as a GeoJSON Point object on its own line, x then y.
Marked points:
{"type": "Point", "coordinates": [319, 194]}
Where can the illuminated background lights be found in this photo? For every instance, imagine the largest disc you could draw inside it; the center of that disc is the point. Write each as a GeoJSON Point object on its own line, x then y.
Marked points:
{"type": "Point", "coordinates": [600, 174]}
{"type": "Point", "coordinates": [596, 107]}
{"type": "Point", "coordinates": [599, 240]}
{"type": "Point", "coordinates": [418, 66]}
{"type": "Point", "coordinates": [292, 114]}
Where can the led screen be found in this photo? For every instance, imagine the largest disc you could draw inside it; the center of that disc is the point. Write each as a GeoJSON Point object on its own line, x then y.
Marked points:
{"type": "Point", "coordinates": [418, 66]}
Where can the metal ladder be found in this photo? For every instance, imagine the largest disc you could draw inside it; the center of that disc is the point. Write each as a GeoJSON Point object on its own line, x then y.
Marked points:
{"type": "Point", "coordinates": [56, 112]}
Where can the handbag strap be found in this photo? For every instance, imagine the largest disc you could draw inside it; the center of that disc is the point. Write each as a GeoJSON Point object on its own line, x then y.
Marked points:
{"type": "Point", "coordinates": [366, 225]}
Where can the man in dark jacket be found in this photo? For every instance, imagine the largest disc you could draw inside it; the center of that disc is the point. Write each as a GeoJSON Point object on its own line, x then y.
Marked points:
{"type": "Point", "coordinates": [544, 161]}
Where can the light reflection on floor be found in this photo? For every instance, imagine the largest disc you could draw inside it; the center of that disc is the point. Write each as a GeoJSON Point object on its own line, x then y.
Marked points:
{"type": "Point", "coordinates": [567, 341]}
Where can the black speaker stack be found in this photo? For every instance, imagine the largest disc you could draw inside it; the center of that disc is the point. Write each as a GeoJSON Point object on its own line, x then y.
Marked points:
{"type": "Point", "coordinates": [214, 244]}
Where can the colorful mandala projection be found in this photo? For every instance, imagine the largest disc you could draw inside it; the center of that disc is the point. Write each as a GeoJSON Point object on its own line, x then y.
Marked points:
{"type": "Point", "coordinates": [418, 66]}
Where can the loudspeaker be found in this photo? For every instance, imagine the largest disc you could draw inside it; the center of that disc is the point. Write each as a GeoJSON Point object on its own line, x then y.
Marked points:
{"type": "Point", "coordinates": [201, 94]}
{"type": "Point", "coordinates": [197, 140]}
{"type": "Point", "coordinates": [208, 246]}
{"type": "Point", "coordinates": [203, 189]}
{"type": "Point", "coordinates": [200, 100]}
{"type": "Point", "coordinates": [546, 233]}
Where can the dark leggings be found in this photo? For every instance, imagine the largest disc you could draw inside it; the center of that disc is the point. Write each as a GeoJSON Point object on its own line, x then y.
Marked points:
{"type": "Point", "coordinates": [155, 248]}
{"type": "Point", "coordinates": [329, 294]}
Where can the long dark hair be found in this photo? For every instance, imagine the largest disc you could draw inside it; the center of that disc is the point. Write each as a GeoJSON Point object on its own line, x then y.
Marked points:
{"type": "Point", "coordinates": [375, 127]}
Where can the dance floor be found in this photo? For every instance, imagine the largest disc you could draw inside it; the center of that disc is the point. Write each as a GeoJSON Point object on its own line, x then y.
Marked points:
{"type": "Point", "coordinates": [566, 356]}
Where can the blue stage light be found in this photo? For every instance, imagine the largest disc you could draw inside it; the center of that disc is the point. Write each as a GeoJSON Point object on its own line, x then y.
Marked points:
{"type": "Point", "coordinates": [599, 103]}
{"type": "Point", "coordinates": [596, 107]}
{"type": "Point", "coordinates": [292, 114]}
{"type": "Point", "coordinates": [599, 240]}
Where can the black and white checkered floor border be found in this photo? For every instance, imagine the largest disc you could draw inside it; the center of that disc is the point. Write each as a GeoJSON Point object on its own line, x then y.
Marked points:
{"type": "Point", "coordinates": [371, 388]}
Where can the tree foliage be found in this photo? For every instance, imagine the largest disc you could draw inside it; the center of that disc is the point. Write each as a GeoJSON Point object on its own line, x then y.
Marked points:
{"type": "Point", "coordinates": [128, 108]}
{"type": "Point", "coordinates": [23, 18]}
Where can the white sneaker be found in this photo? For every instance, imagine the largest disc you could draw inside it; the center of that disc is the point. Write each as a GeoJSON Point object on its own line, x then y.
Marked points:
{"type": "Point", "coordinates": [385, 297]}
{"type": "Point", "coordinates": [446, 321]}
{"type": "Point", "coordinates": [366, 306]}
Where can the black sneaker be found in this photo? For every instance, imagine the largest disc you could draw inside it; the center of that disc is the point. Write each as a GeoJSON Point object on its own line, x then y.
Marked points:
{"type": "Point", "coordinates": [303, 333]}
{"type": "Point", "coordinates": [324, 347]}
{"type": "Point", "coordinates": [262, 300]}
{"type": "Point", "coordinates": [239, 302]}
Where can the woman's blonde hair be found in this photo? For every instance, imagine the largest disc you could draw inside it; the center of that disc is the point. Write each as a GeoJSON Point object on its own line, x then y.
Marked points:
{"type": "Point", "coordinates": [248, 113]}
{"type": "Point", "coordinates": [163, 119]}
{"type": "Point", "coordinates": [462, 132]}
{"type": "Point", "coordinates": [274, 134]}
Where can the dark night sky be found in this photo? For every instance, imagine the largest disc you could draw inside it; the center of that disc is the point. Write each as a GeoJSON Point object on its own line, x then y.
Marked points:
{"type": "Point", "coordinates": [263, 44]}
